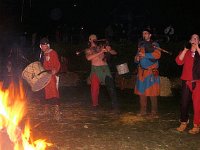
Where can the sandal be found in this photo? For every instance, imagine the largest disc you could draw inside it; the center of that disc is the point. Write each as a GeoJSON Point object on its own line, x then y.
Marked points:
{"type": "Point", "coordinates": [182, 127]}
{"type": "Point", "coordinates": [194, 130]}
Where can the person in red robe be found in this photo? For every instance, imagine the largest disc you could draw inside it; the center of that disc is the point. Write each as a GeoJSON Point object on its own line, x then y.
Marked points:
{"type": "Point", "coordinates": [51, 63]}
{"type": "Point", "coordinates": [189, 58]}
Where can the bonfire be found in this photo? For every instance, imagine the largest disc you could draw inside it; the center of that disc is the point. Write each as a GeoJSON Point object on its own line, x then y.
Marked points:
{"type": "Point", "coordinates": [14, 136]}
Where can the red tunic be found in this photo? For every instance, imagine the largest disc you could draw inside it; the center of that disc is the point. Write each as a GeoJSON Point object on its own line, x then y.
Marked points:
{"type": "Point", "coordinates": [187, 63]}
{"type": "Point", "coordinates": [51, 62]}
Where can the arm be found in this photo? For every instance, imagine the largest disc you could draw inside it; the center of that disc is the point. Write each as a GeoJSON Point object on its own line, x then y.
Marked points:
{"type": "Point", "coordinates": [182, 55]}
{"type": "Point", "coordinates": [110, 50]}
{"type": "Point", "coordinates": [137, 56]}
{"type": "Point", "coordinates": [136, 59]}
{"type": "Point", "coordinates": [180, 58]}
{"type": "Point", "coordinates": [55, 62]}
{"type": "Point", "coordinates": [151, 61]}
{"type": "Point", "coordinates": [156, 54]}
{"type": "Point", "coordinates": [91, 55]}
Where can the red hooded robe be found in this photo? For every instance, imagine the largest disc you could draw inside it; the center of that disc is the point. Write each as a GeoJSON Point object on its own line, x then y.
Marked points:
{"type": "Point", "coordinates": [51, 62]}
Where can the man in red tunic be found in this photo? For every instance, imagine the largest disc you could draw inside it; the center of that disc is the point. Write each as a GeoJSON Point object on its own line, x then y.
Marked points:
{"type": "Point", "coordinates": [189, 58]}
{"type": "Point", "coordinates": [51, 63]}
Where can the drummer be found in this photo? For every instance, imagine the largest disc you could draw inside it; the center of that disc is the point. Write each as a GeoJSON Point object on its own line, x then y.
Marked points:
{"type": "Point", "coordinates": [52, 64]}
{"type": "Point", "coordinates": [100, 72]}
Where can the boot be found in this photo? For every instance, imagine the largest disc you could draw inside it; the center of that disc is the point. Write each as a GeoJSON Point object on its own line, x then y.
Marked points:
{"type": "Point", "coordinates": [182, 127]}
{"type": "Point", "coordinates": [195, 129]}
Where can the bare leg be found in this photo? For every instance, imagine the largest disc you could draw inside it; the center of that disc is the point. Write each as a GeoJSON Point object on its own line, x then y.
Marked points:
{"type": "Point", "coordinates": [143, 105]}
{"type": "Point", "coordinates": [154, 105]}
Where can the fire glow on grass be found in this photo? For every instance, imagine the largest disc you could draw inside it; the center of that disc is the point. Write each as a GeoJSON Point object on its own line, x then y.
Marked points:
{"type": "Point", "coordinates": [12, 111]}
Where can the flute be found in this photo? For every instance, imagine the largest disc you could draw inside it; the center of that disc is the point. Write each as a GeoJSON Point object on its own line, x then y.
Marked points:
{"type": "Point", "coordinates": [79, 52]}
{"type": "Point", "coordinates": [163, 50]}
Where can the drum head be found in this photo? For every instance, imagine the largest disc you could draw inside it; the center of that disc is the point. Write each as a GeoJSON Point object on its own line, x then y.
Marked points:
{"type": "Point", "coordinates": [33, 68]}
{"type": "Point", "coordinates": [42, 82]}
{"type": "Point", "coordinates": [122, 69]}
{"type": "Point", "coordinates": [36, 76]}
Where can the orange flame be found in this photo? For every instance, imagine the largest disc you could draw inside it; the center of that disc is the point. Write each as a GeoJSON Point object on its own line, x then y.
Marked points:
{"type": "Point", "coordinates": [12, 110]}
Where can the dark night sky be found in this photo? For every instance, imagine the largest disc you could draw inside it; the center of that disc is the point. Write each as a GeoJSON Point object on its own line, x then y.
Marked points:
{"type": "Point", "coordinates": [96, 14]}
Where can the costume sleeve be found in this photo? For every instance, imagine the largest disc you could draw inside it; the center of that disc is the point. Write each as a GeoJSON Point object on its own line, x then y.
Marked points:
{"type": "Point", "coordinates": [55, 63]}
{"type": "Point", "coordinates": [139, 49]}
{"type": "Point", "coordinates": [178, 61]}
{"type": "Point", "coordinates": [156, 54]}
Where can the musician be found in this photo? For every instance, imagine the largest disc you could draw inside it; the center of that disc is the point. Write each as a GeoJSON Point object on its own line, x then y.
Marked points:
{"type": "Point", "coordinates": [51, 63]}
{"type": "Point", "coordinates": [100, 72]}
{"type": "Point", "coordinates": [147, 80]}
{"type": "Point", "coordinates": [190, 59]}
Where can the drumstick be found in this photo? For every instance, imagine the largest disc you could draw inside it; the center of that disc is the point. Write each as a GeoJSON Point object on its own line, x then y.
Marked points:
{"type": "Point", "coordinates": [44, 72]}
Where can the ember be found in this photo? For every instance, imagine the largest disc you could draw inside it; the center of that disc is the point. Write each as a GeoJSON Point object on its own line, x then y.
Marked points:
{"type": "Point", "coordinates": [12, 111]}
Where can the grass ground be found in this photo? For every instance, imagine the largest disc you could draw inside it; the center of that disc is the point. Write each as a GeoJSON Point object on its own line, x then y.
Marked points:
{"type": "Point", "coordinates": [83, 128]}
